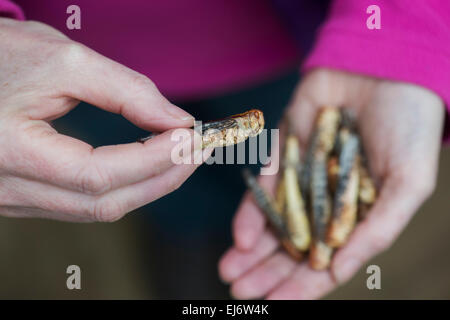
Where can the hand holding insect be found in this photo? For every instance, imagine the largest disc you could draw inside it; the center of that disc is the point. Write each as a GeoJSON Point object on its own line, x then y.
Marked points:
{"type": "Point", "coordinates": [401, 127]}
{"type": "Point", "coordinates": [43, 75]}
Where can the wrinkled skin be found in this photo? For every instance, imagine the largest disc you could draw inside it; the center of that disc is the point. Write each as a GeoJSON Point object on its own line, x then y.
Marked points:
{"type": "Point", "coordinates": [401, 128]}
{"type": "Point", "coordinates": [43, 75]}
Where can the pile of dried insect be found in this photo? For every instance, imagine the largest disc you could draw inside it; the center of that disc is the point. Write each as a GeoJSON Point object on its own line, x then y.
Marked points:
{"type": "Point", "coordinates": [318, 200]}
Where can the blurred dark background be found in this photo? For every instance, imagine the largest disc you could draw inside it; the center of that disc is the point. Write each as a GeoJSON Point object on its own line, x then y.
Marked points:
{"type": "Point", "coordinates": [170, 248]}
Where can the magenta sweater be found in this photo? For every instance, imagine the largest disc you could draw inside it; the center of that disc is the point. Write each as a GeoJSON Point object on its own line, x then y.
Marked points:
{"type": "Point", "coordinates": [197, 47]}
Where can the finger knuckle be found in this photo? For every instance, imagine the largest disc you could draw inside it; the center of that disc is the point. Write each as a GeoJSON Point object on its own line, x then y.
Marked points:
{"type": "Point", "coordinates": [141, 86]}
{"type": "Point", "coordinates": [107, 210]}
{"type": "Point", "coordinates": [140, 82]}
{"type": "Point", "coordinates": [73, 53]}
{"type": "Point", "coordinates": [94, 181]}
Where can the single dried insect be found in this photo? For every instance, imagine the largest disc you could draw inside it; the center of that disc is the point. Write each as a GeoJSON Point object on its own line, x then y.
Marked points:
{"type": "Point", "coordinates": [322, 139]}
{"type": "Point", "coordinates": [230, 130]}
{"type": "Point", "coordinates": [326, 128]}
{"type": "Point", "coordinates": [346, 195]}
{"type": "Point", "coordinates": [318, 201]}
{"type": "Point", "coordinates": [320, 254]}
{"type": "Point", "coordinates": [294, 213]}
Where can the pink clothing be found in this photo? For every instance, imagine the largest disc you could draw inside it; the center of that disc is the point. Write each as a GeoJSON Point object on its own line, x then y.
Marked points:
{"type": "Point", "coordinates": [10, 10]}
{"type": "Point", "coordinates": [197, 47]}
{"type": "Point", "coordinates": [413, 44]}
{"type": "Point", "coordinates": [188, 48]}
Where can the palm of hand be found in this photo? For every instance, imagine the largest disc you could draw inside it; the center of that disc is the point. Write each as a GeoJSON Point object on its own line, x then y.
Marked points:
{"type": "Point", "coordinates": [401, 126]}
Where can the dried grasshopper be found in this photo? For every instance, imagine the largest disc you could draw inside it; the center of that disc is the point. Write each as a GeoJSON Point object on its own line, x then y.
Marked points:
{"type": "Point", "coordinates": [367, 191]}
{"type": "Point", "coordinates": [295, 213]}
{"type": "Point", "coordinates": [230, 130]}
{"type": "Point", "coordinates": [320, 254]}
{"type": "Point", "coordinates": [266, 204]}
{"type": "Point", "coordinates": [346, 195]}
{"type": "Point", "coordinates": [326, 128]}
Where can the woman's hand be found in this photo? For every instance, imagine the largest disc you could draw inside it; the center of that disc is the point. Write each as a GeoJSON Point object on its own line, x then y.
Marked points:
{"type": "Point", "coordinates": [43, 75]}
{"type": "Point", "coordinates": [401, 128]}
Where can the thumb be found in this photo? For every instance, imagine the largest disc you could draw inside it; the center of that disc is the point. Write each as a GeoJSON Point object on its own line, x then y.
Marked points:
{"type": "Point", "coordinates": [115, 88]}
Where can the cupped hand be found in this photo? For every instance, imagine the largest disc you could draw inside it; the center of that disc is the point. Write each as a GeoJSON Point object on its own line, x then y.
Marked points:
{"type": "Point", "coordinates": [401, 129]}
{"type": "Point", "coordinates": [43, 75]}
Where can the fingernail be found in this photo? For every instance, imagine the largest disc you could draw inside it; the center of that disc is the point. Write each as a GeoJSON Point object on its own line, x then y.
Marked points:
{"type": "Point", "coordinates": [346, 270]}
{"type": "Point", "coordinates": [179, 113]}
